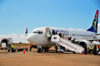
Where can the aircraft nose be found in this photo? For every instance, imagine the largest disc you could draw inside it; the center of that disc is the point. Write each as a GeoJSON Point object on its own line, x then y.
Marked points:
{"type": "Point", "coordinates": [29, 38]}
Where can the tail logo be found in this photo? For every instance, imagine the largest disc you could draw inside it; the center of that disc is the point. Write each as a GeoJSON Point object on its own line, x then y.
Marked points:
{"type": "Point", "coordinates": [94, 26]}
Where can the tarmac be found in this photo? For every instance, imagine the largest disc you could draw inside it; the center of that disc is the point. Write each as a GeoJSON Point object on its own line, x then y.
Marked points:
{"type": "Point", "coordinates": [51, 58]}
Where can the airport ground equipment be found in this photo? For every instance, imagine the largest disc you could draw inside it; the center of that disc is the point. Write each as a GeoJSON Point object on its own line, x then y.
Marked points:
{"type": "Point", "coordinates": [19, 47]}
{"type": "Point", "coordinates": [66, 44]}
{"type": "Point", "coordinates": [6, 43]}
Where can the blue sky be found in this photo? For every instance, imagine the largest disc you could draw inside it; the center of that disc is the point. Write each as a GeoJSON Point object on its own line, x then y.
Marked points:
{"type": "Point", "coordinates": [17, 15]}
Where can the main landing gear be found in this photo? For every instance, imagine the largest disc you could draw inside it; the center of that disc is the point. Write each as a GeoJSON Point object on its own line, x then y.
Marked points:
{"type": "Point", "coordinates": [44, 48]}
{"type": "Point", "coordinates": [39, 50]}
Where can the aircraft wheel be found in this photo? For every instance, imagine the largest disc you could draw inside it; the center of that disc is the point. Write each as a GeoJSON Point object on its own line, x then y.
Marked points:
{"type": "Point", "coordinates": [46, 49]}
{"type": "Point", "coordinates": [18, 50]}
{"type": "Point", "coordinates": [74, 52]}
{"type": "Point", "coordinates": [8, 50]}
{"type": "Point", "coordinates": [39, 50]}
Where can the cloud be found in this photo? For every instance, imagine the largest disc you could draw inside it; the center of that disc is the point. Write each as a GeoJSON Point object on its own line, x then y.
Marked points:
{"type": "Point", "coordinates": [16, 37]}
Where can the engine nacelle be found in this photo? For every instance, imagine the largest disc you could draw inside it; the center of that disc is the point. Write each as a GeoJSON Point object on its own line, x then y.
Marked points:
{"type": "Point", "coordinates": [83, 42]}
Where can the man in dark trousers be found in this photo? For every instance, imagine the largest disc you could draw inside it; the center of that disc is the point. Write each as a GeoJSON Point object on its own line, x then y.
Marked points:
{"type": "Point", "coordinates": [12, 47]}
{"type": "Point", "coordinates": [85, 49]}
{"type": "Point", "coordinates": [95, 50]}
{"type": "Point", "coordinates": [30, 47]}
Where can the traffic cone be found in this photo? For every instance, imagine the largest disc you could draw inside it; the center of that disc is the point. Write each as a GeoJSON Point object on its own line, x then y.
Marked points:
{"type": "Point", "coordinates": [24, 51]}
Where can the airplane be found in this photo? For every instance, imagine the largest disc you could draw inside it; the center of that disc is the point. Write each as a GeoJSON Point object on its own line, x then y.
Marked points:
{"type": "Point", "coordinates": [39, 35]}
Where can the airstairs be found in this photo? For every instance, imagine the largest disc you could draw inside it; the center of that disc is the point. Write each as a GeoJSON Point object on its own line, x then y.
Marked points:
{"type": "Point", "coordinates": [64, 43]}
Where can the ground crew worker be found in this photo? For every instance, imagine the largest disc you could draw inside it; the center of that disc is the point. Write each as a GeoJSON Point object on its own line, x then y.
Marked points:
{"type": "Point", "coordinates": [9, 47]}
{"type": "Point", "coordinates": [90, 47]}
{"type": "Point", "coordinates": [30, 47]}
{"type": "Point", "coordinates": [12, 48]}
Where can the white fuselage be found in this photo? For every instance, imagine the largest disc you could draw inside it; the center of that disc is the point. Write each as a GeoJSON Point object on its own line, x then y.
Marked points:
{"type": "Point", "coordinates": [38, 36]}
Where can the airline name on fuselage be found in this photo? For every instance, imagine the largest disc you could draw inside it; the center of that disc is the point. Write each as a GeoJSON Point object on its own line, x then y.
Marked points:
{"type": "Point", "coordinates": [62, 31]}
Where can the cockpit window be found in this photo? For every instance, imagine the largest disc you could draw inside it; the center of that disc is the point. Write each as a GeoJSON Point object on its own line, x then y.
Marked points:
{"type": "Point", "coordinates": [38, 32]}
{"type": "Point", "coordinates": [35, 32]}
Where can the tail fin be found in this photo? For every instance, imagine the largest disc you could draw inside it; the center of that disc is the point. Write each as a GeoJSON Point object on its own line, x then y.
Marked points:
{"type": "Point", "coordinates": [94, 26]}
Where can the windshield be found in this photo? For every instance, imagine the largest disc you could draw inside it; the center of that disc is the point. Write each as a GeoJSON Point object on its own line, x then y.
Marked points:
{"type": "Point", "coordinates": [34, 31]}
{"type": "Point", "coordinates": [38, 32]}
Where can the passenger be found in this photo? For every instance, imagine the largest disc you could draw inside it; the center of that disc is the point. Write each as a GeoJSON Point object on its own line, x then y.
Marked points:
{"type": "Point", "coordinates": [85, 49]}
{"type": "Point", "coordinates": [63, 35]}
{"type": "Point", "coordinates": [95, 50]}
{"type": "Point", "coordinates": [69, 38]}
{"type": "Point", "coordinates": [53, 32]}
{"type": "Point", "coordinates": [73, 40]}
{"type": "Point", "coordinates": [56, 32]}
{"type": "Point", "coordinates": [90, 47]}
{"type": "Point", "coordinates": [30, 47]}
{"type": "Point", "coordinates": [60, 34]}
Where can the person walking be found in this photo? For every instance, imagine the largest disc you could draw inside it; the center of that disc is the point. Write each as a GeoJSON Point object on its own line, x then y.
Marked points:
{"type": "Point", "coordinates": [30, 47]}
{"type": "Point", "coordinates": [85, 49]}
{"type": "Point", "coordinates": [95, 50]}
